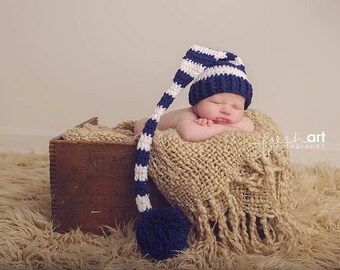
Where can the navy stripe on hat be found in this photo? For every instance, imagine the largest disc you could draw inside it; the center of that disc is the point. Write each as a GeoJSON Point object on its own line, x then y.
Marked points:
{"type": "Point", "coordinates": [223, 77]}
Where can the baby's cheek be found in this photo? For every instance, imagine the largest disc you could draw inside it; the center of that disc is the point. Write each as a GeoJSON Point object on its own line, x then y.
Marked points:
{"type": "Point", "coordinates": [239, 115]}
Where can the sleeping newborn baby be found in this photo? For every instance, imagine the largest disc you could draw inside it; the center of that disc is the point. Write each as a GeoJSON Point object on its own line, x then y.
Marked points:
{"type": "Point", "coordinates": [209, 117]}
{"type": "Point", "coordinates": [218, 98]}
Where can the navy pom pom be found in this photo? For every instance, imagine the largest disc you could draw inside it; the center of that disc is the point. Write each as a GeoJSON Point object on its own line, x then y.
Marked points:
{"type": "Point", "coordinates": [162, 232]}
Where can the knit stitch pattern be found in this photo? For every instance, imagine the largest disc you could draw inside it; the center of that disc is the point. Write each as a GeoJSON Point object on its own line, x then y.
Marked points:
{"type": "Point", "coordinates": [225, 76]}
{"type": "Point", "coordinates": [234, 187]}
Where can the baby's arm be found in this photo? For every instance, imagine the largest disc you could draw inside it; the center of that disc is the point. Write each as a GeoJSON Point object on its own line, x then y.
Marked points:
{"type": "Point", "coordinates": [244, 125]}
{"type": "Point", "coordinates": [194, 132]}
{"type": "Point", "coordinates": [168, 120]}
{"type": "Point", "coordinates": [194, 129]}
{"type": "Point", "coordinates": [140, 125]}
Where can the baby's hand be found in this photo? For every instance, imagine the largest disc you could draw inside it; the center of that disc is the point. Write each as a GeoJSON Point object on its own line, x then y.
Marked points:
{"type": "Point", "coordinates": [204, 122]}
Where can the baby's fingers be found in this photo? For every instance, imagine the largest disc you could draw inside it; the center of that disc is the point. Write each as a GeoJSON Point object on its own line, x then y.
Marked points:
{"type": "Point", "coordinates": [210, 122]}
{"type": "Point", "coordinates": [198, 121]}
{"type": "Point", "coordinates": [201, 121]}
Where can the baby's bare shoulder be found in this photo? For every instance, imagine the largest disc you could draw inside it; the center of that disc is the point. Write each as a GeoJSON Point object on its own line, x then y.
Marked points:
{"type": "Point", "coordinates": [186, 114]}
{"type": "Point", "coordinates": [171, 118]}
{"type": "Point", "coordinates": [246, 124]}
{"type": "Point", "coordinates": [246, 119]}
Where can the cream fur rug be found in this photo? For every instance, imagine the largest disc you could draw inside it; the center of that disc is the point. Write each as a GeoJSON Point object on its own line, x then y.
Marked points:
{"type": "Point", "coordinates": [27, 240]}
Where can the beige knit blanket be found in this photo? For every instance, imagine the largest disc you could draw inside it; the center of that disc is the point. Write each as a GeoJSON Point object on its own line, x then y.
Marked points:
{"type": "Point", "coordinates": [234, 188]}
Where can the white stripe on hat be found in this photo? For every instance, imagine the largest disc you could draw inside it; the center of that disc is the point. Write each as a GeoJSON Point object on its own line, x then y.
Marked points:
{"type": "Point", "coordinates": [218, 70]}
{"type": "Point", "coordinates": [144, 142]}
{"type": "Point", "coordinates": [216, 54]}
{"type": "Point", "coordinates": [237, 61]}
{"type": "Point", "coordinates": [141, 173]}
{"type": "Point", "coordinates": [191, 68]}
{"type": "Point", "coordinates": [174, 90]}
{"type": "Point", "coordinates": [159, 110]}
{"type": "Point", "coordinates": [143, 203]}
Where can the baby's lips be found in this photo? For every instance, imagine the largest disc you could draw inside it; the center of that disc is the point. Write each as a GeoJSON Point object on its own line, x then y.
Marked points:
{"type": "Point", "coordinates": [222, 121]}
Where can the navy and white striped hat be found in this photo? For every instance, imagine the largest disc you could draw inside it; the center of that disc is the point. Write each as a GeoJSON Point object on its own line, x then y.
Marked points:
{"type": "Point", "coordinates": [164, 231]}
{"type": "Point", "coordinates": [227, 75]}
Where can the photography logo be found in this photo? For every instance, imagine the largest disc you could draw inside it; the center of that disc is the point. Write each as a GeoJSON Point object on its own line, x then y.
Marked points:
{"type": "Point", "coordinates": [311, 141]}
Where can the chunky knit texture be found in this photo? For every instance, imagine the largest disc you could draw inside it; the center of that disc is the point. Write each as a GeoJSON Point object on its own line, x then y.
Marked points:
{"type": "Point", "coordinates": [234, 188]}
{"type": "Point", "coordinates": [225, 76]}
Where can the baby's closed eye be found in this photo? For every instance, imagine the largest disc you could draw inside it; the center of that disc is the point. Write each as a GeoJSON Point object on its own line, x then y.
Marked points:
{"type": "Point", "coordinates": [216, 102]}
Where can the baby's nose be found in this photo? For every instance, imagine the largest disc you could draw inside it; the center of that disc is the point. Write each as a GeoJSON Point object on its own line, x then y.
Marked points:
{"type": "Point", "coordinates": [225, 109]}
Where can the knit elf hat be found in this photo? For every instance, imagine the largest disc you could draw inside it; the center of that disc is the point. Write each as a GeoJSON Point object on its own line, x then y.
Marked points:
{"type": "Point", "coordinates": [164, 231]}
{"type": "Point", "coordinates": [227, 75]}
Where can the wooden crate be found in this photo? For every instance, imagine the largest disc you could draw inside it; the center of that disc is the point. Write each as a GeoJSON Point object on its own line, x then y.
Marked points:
{"type": "Point", "coordinates": [92, 184]}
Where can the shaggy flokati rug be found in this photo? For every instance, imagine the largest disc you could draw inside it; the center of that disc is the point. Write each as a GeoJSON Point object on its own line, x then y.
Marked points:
{"type": "Point", "coordinates": [27, 240]}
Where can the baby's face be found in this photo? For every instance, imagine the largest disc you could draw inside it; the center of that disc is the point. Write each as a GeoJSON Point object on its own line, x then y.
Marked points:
{"type": "Point", "coordinates": [223, 108]}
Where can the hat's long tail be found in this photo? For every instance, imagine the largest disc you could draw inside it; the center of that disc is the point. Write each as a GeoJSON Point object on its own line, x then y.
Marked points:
{"type": "Point", "coordinates": [160, 242]}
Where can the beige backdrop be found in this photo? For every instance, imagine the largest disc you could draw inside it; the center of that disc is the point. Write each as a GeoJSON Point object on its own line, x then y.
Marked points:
{"type": "Point", "coordinates": [62, 62]}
